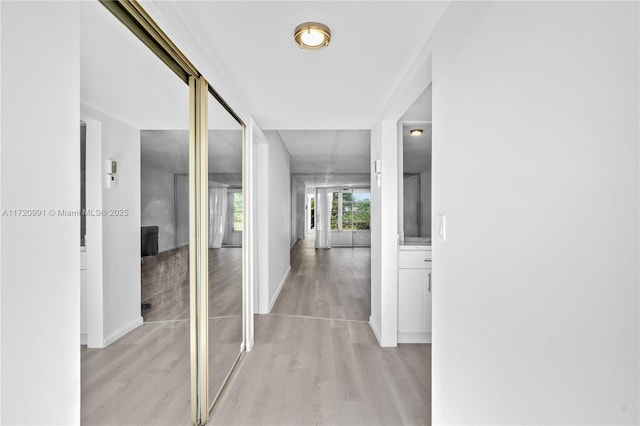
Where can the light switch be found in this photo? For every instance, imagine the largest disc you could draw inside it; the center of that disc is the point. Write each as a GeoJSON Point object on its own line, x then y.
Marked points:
{"type": "Point", "coordinates": [442, 227]}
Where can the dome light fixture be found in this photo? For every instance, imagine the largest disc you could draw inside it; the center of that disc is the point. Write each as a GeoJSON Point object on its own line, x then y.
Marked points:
{"type": "Point", "coordinates": [312, 35]}
{"type": "Point", "coordinates": [416, 132]}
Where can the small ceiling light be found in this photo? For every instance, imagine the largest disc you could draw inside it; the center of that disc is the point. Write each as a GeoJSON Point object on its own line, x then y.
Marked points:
{"type": "Point", "coordinates": [416, 132]}
{"type": "Point", "coordinates": [312, 35]}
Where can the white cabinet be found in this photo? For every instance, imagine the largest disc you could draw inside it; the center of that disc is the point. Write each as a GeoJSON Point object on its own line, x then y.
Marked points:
{"type": "Point", "coordinates": [414, 296]}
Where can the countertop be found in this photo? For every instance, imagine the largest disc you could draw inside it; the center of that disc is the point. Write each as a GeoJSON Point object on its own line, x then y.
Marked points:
{"type": "Point", "coordinates": [415, 244]}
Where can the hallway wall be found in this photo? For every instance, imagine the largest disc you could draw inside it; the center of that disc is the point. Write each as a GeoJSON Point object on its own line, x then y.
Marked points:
{"type": "Point", "coordinates": [298, 209]}
{"type": "Point", "coordinates": [274, 216]}
{"type": "Point", "coordinates": [157, 195]}
{"type": "Point", "coordinates": [120, 232]}
{"type": "Point", "coordinates": [536, 312]}
{"type": "Point", "coordinates": [40, 163]}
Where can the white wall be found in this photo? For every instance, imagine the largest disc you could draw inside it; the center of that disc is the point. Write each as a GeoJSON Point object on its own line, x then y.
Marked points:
{"type": "Point", "coordinates": [157, 197]}
{"type": "Point", "coordinates": [375, 224]}
{"type": "Point", "coordinates": [384, 235]}
{"type": "Point", "coordinates": [40, 256]}
{"type": "Point", "coordinates": [274, 218]}
{"type": "Point", "coordinates": [120, 233]}
{"type": "Point", "coordinates": [298, 209]}
{"type": "Point", "coordinates": [279, 214]}
{"type": "Point", "coordinates": [535, 164]}
{"type": "Point", "coordinates": [261, 162]}
{"type": "Point", "coordinates": [301, 210]}
{"type": "Point", "coordinates": [1, 204]}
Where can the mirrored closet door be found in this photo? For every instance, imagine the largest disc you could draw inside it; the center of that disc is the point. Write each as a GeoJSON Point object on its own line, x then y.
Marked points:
{"type": "Point", "coordinates": [135, 367]}
{"type": "Point", "coordinates": [225, 239]}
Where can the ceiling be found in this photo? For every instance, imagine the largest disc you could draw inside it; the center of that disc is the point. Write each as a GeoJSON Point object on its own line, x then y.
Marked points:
{"type": "Point", "coordinates": [317, 102]}
{"type": "Point", "coordinates": [327, 151]}
{"type": "Point", "coordinates": [169, 150]}
{"type": "Point", "coordinates": [344, 86]}
{"type": "Point", "coordinates": [346, 180]}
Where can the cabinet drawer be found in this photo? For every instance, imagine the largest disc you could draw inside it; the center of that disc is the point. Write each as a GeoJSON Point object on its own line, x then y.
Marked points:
{"type": "Point", "coordinates": [414, 259]}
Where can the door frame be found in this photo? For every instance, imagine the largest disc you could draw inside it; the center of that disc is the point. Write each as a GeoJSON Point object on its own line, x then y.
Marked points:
{"type": "Point", "coordinates": [93, 243]}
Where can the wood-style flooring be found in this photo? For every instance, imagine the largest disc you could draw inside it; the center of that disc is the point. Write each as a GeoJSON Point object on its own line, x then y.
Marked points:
{"type": "Point", "coordinates": [315, 359]}
{"type": "Point", "coordinates": [307, 371]}
{"type": "Point", "coordinates": [143, 378]}
{"type": "Point", "coordinates": [334, 283]}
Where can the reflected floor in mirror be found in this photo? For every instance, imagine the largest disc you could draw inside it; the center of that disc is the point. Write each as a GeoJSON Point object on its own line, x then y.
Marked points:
{"type": "Point", "coordinates": [165, 284]}
{"type": "Point", "coordinates": [144, 378]}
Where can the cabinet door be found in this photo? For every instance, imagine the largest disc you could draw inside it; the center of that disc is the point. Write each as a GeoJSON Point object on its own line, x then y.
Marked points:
{"type": "Point", "coordinates": [414, 301]}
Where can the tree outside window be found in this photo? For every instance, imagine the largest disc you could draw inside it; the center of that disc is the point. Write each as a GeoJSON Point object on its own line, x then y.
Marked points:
{"type": "Point", "coordinates": [238, 212]}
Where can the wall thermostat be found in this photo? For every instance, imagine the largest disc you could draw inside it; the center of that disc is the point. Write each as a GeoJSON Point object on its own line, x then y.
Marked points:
{"type": "Point", "coordinates": [112, 170]}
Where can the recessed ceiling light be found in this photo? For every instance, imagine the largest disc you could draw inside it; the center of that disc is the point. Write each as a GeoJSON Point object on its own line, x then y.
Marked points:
{"type": "Point", "coordinates": [312, 35]}
{"type": "Point", "coordinates": [416, 132]}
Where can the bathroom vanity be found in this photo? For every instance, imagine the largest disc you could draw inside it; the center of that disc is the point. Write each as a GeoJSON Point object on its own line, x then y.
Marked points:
{"type": "Point", "coordinates": [414, 291]}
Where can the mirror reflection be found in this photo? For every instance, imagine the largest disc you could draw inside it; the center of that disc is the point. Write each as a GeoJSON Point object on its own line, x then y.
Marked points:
{"type": "Point", "coordinates": [135, 265]}
{"type": "Point", "coordinates": [416, 170]}
{"type": "Point", "coordinates": [226, 226]}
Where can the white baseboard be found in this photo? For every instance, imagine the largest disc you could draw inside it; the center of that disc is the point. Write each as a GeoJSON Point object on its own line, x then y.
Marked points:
{"type": "Point", "coordinates": [414, 337]}
{"type": "Point", "coordinates": [127, 328]}
{"type": "Point", "coordinates": [375, 330]}
{"type": "Point", "coordinates": [83, 338]}
{"type": "Point", "coordinates": [273, 299]}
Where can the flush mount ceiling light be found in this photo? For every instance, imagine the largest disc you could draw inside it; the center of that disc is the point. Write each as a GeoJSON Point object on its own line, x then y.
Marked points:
{"type": "Point", "coordinates": [312, 35]}
{"type": "Point", "coordinates": [416, 132]}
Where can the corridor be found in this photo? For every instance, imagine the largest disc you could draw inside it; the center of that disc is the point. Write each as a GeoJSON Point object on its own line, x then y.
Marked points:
{"type": "Point", "coordinates": [315, 359]}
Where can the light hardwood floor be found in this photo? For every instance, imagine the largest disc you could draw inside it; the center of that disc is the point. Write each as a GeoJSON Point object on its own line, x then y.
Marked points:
{"type": "Point", "coordinates": [333, 283]}
{"type": "Point", "coordinates": [143, 378]}
{"type": "Point", "coordinates": [315, 360]}
{"type": "Point", "coordinates": [307, 371]}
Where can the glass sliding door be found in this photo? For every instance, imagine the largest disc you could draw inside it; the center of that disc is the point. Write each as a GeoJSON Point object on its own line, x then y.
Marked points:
{"type": "Point", "coordinates": [350, 214]}
{"type": "Point", "coordinates": [361, 217]}
{"type": "Point", "coordinates": [225, 244]}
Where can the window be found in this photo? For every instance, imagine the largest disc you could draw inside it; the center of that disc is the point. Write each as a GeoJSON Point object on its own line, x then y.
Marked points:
{"type": "Point", "coordinates": [237, 211]}
{"type": "Point", "coordinates": [361, 209]}
{"type": "Point", "coordinates": [313, 213]}
{"type": "Point", "coordinates": [347, 211]}
{"type": "Point", "coordinates": [335, 211]}
{"type": "Point", "coordinates": [351, 211]}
